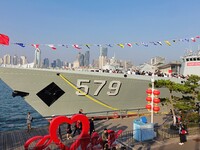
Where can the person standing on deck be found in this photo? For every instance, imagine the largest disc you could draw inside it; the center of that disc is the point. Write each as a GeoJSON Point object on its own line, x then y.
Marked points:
{"type": "Point", "coordinates": [28, 121]}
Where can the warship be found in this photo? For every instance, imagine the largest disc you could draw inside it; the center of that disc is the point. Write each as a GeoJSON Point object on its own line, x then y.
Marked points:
{"type": "Point", "coordinates": [60, 92]}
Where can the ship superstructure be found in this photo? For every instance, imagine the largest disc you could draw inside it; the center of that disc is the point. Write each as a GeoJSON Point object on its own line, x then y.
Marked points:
{"type": "Point", "coordinates": [191, 63]}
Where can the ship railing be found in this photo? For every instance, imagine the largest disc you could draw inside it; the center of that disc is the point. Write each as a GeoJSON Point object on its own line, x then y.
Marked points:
{"type": "Point", "coordinates": [110, 114]}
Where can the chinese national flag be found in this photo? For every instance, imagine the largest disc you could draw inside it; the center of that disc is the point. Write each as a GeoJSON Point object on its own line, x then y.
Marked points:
{"type": "Point", "coordinates": [4, 39]}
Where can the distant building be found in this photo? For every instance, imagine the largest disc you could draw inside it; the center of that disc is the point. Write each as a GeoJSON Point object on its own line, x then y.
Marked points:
{"type": "Point", "coordinates": [7, 59]}
{"type": "Point", "coordinates": [1, 60]}
{"type": "Point", "coordinates": [37, 58]}
{"type": "Point", "coordinates": [58, 63]}
{"type": "Point", "coordinates": [103, 57]}
{"type": "Point", "coordinates": [95, 63]}
{"type": "Point", "coordinates": [65, 64]}
{"type": "Point", "coordinates": [157, 60]}
{"type": "Point", "coordinates": [81, 60]}
{"type": "Point", "coordinates": [87, 58]}
{"type": "Point", "coordinates": [173, 67]}
{"type": "Point", "coordinates": [53, 64]}
{"type": "Point", "coordinates": [76, 64]}
{"type": "Point", "coordinates": [104, 51]}
{"type": "Point", "coordinates": [23, 60]}
{"type": "Point", "coordinates": [70, 65]}
{"type": "Point", "coordinates": [46, 63]}
{"type": "Point", "coordinates": [15, 60]}
{"type": "Point", "coordinates": [152, 65]}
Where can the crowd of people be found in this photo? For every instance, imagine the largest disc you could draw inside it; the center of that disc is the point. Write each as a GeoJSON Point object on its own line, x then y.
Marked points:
{"type": "Point", "coordinates": [144, 73]}
{"type": "Point", "coordinates": [77, 129]}
{"type": "Point", "coordinates": [156, 73]}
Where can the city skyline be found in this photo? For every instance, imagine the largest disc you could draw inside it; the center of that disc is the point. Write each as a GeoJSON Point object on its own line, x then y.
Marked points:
{"type": "Point", "coordinates": [81, 60]}
{"type": "Point", "coordinates": [102, 22]}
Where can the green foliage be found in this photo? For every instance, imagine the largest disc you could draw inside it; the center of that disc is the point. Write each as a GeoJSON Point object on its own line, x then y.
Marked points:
{"type": "Point", "coordinates": [182, 105]}
{"type": "Point", "coordinates": [198, 96]}
{"type": "Point", "coordinates": [190, 91]}
{"type": "Point", "coordinates": [191, 117]}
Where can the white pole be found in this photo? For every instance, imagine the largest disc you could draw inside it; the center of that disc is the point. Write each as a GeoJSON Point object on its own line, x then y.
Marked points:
{"type": "Point", "coordinates": [152, 96]}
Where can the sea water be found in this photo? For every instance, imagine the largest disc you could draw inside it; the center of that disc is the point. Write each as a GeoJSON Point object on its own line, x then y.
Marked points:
{"type": "Point", "coordinates": [13, 111]}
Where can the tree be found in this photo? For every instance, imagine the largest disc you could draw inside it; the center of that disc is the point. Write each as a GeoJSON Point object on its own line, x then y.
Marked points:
{"type": "Point", "coordinates": [172, 86]}
{"type": "Point", "coordinates": [193, 86]}
{"type": "Point", "coordinates": [190, 93]}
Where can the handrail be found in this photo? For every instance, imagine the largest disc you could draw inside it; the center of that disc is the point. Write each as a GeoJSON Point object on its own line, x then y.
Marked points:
{"type": "Point", "coordinates": [101, 112]}
{"type": "Point", "coordinates": [39, 121]}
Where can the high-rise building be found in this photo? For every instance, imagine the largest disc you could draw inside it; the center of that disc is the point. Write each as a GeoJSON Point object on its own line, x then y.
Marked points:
{"type": "Point", "coordinates": [53, 64]}
{"type": "Point", "coordinates": [80, 58]}
{"type": "Point", "coordinates": [15, 60]}
{"type": "Point", "coordinates": [46, 63]}
{"type": "Point", "coordinates": [103, 57]}
{"type": "Point", "coordinates": [87, 58]}
{"type": "Point", "coordinates": [23, 60]}
{"type": "Point", "coordinates": [7, 59]}
{"type": "Point", "coordinates": [58, 63]}
{"type": "Point", "coordinates": [37, 58]}
{"type": "Point", "coordinates": [1, 61]}
{"type": "Point", "coordinates": [104, 51]}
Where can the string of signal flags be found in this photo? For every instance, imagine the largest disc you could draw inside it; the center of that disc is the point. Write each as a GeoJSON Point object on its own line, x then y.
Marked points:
{"type": "Point", "coordinates": [4, 40]}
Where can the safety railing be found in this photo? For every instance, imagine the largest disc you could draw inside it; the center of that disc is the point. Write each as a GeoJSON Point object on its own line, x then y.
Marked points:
{"type": "Point", "coordinates": [39, 121]}
{"type": "Point", "coordinates": [128, 141]}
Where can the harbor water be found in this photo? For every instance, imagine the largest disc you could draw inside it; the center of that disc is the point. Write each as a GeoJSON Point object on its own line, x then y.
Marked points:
{"type": "Point", "coordinates": [13, 111]}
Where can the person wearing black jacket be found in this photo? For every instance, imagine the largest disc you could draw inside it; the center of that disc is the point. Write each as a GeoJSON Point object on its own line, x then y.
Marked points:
{"type": "Point", "coordinates": [92, 129]}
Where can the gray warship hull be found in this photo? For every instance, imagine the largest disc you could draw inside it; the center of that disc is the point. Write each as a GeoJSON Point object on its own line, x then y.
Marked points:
{"type": "Point", "coordinates": [105, 91]}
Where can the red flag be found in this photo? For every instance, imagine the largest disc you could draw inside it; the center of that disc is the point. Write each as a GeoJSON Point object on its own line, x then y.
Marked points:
{"type": "Point", "coordinates": [76, 46]}
{"type": "Point", "coordinates": [4, 39]}
{"type": "Point", "coordinates": [35, 45]}
{"type": "Point", "coordinates": [52, 46]}
{"type": "Point", "coordinates": [193, 39]}
{"type": "Point", "coordinates": [129, 44]}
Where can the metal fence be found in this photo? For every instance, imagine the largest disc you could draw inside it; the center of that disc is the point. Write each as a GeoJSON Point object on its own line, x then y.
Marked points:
{"type": "Point", "coordinates": [127, 140]}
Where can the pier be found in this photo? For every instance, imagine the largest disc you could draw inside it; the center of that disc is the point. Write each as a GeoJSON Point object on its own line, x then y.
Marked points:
{"type": "Point", "coordinates": [14, 140]}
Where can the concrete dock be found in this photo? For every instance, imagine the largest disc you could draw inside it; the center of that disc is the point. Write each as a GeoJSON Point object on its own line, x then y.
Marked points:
{"type": "Point", "coordinates": [14, 140]}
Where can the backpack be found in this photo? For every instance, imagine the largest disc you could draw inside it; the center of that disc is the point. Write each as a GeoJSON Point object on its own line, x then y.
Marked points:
{"type": "Point", "coordinates": [183, 131]}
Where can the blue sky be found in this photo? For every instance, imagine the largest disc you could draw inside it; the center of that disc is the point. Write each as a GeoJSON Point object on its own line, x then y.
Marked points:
{"type": "Point", "coordinates": [100, 22]}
